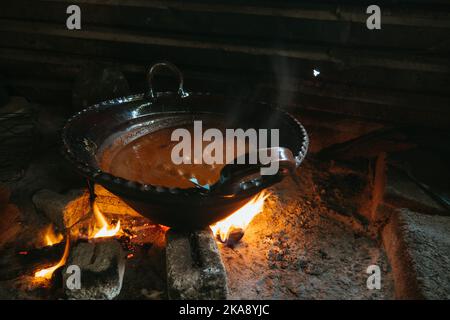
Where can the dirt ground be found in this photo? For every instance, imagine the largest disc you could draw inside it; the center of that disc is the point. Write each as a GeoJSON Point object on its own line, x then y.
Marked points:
{"type": "Point", "coordinates": [294, 249]}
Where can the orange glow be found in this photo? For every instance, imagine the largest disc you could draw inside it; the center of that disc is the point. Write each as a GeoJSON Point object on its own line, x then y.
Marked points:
{"type": "Point", "coordinates": [51, 237]}
{"type": "Point", "coordinates": [106, 230]}
{"type": "Point", "coordinates": [241, 218]}
{"type": "Point", "coordinates": [47, 273]}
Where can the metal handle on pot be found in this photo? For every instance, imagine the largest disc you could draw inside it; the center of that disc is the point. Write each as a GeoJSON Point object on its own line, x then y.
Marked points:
{"type": "Point", "coordinates": [171, 67]}
{"type": "Point", "coordinates": [235, 178]}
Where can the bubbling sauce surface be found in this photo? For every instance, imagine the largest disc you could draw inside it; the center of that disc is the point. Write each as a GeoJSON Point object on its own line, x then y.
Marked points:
{"type": "Point", "coordinates": [148, 160]}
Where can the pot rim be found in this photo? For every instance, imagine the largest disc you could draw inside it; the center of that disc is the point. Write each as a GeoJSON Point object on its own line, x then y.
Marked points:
{"type": "Point", "coordinates": [129, 187]}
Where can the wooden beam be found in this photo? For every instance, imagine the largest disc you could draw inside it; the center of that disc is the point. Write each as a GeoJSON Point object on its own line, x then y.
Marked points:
{"type": "Point", "coordinates": [236, 27]}
{"type": "Point", "coordinates": [396, 15]}
{"type": "Point", "coordinates": [346, 58]}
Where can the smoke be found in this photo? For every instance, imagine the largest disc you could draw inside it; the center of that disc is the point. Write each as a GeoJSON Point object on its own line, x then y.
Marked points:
{"type": "Point", "coordinates": [284, 75]}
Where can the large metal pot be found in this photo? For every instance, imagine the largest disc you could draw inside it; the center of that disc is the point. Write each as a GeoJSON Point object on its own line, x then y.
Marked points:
{"type": "Point", "coordinates": [86, 133]}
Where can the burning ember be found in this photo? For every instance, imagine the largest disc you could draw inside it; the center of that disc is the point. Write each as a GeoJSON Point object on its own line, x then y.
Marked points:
{"type": "Point", "coordinates": [239, 220]}
{"type": "Point", "coordinates": [47, 273]}
{"type": "Point", "coordinates": [106, 230]}
{"type": "Point", "coordinates": [51, 238]}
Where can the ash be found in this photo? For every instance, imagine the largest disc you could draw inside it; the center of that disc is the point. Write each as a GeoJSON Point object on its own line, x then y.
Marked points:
{"type": "Point", "coordinates": [297, 249]}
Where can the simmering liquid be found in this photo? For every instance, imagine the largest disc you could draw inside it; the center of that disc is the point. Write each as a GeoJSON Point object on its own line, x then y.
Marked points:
{"type": "Point", "coordinates": [148, 160]}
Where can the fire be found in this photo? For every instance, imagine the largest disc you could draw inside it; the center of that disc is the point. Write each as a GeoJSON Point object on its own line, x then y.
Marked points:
{"type": "Point", "coordinates": [47, 273]}
{"type": "Point", "coordinates": [51, 237]}
{"type": "Point", "coordinates": [106, 230]}
{"type": "Point", "coordinates": [241, 218]}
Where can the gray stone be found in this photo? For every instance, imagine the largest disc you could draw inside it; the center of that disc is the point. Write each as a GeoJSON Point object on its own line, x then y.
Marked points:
{"type": "Point", "coordinates": [418, 247]}
{"type": "Point", "coordinates": [111, 204]}
{"type": "Point", "coordinates": [63, 210]}
{"type": "Point", "coordinates": [194, 267]}
{"type": "Point", "coordinates": [102, 265]}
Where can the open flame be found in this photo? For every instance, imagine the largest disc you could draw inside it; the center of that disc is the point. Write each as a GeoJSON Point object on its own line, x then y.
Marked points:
{"type": "Point", "coordinates": [241, 218]}
{"type": "Point", "coordinates": [106, 229]}
{"type": "Point", "coordinates": [51, 237]}
{"type": "Point", "coordinates": [48, 272]}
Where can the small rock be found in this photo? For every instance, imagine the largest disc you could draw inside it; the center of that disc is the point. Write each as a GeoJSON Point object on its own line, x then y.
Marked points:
{"type": "Point", "coordinates": [111, 204]}
{"type": "Point", "coordinates": [194, 267]}
{"type": "Point", "coordinates": [102, 265]}
{"type": "Point", "coordinates": [234, 236]}
{"type": "Point", "coordinates": [418, 248]}
{"type": "Point", "coordinates": [63, 210]}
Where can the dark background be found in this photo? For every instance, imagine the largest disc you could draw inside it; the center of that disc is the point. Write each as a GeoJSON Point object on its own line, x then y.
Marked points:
{"type": "Point", "coordinates": [264, 50]}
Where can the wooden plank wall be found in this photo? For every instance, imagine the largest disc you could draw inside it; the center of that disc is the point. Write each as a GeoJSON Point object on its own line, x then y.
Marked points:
{"type": "Point", "coordinates": [263, 49]}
